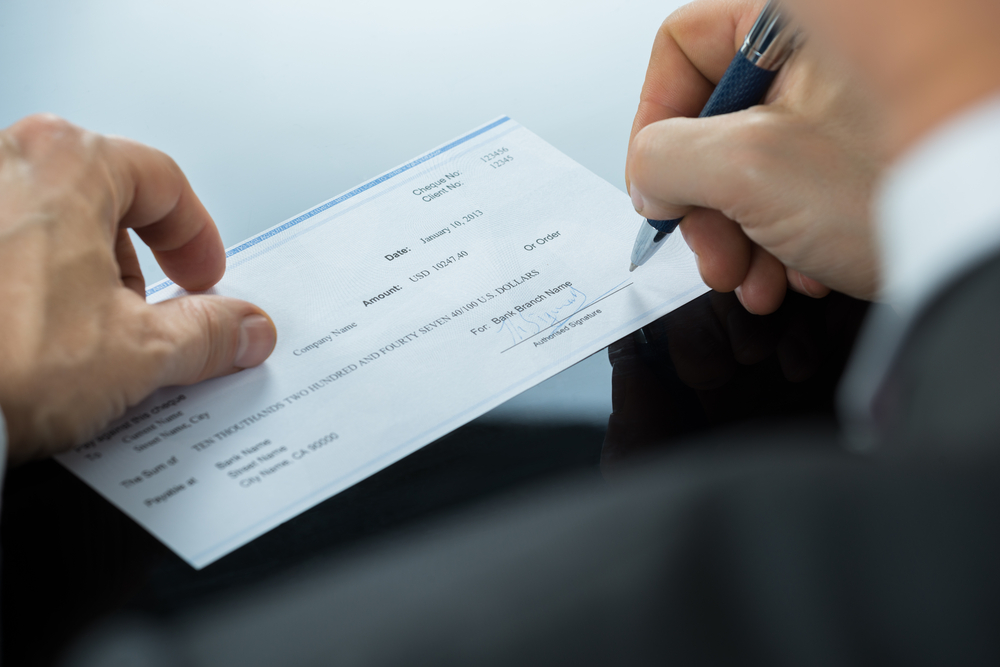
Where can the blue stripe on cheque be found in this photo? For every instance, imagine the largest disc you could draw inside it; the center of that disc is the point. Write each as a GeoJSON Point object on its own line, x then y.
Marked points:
{"type": "Point", "coordinates": [260, 238]}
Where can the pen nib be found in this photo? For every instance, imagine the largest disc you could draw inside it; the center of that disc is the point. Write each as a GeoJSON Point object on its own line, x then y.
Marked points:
{"type": "Point", "coordinates": [632, 267]}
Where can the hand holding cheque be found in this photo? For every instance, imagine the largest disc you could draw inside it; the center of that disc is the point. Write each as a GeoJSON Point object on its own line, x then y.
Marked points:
{"type": "Point", "coordinates": [78, 342]}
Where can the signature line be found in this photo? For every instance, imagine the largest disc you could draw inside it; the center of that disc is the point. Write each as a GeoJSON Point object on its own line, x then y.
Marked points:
{"type": "Point", "coordinates": [559, 324]}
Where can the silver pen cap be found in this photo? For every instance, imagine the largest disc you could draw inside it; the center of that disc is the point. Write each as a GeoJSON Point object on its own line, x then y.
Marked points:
{"type": "Point", "coordinates": [771, 39]}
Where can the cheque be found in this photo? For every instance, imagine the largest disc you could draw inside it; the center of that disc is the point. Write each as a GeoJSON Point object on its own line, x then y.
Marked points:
{"type": "Point", "coordinates": [405, 308]}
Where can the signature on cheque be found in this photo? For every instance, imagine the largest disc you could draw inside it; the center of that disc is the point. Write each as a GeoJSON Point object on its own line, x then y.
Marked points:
{"type": "Point", "coordinates": [543, 312]}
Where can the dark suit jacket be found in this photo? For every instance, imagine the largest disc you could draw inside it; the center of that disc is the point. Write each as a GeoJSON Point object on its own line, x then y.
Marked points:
{"type": "Point", "coordinates": [942, 397]}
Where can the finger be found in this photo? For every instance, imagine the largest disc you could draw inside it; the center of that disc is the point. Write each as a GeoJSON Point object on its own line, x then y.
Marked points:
{"type": "Point", "coordinates": [128, 264]}
{"type": "Point", "coordinates": [641, 408]}
{"type": "Point", "coordinates": [720, 246]}
{"type": "Point", "coordinates": [800, 350]}
{"type": "Point", "coordinates": [634, 386]}
{"type": "Point", "coordinates": [805, 285]}
{"type": "Point", "coordinates": [210, 336]}
{"type": "Point", "coordinates": [722, 162]}
{"type": "Point", "coordinates": [752, 338]}
{"type": "Point", "coordinates": [691, 51]}
{"type": "Point", "coordinates": [763, 289]}
{"type": "Point", "coordinates": [155, 198]}
{"type": "Point", "coordinates": [623, 348]}
{"type": "Point", "coordinates": [698, 346]}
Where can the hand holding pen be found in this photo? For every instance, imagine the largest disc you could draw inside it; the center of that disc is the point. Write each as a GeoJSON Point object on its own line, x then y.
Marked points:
{"type": "Point", "coordinates": [752, 187]}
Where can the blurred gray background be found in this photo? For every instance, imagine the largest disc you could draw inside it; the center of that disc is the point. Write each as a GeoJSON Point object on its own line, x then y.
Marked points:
{"type": "Point", "coordinates": [271, 107]}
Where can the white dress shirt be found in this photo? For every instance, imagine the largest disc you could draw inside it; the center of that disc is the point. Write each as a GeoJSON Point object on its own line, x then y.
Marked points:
{"type": "Point", "coordinates": [938, 216]}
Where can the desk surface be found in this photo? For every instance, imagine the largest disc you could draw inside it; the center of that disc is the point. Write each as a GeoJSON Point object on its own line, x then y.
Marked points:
{"type": "Point", "coordinates": [270, 108]}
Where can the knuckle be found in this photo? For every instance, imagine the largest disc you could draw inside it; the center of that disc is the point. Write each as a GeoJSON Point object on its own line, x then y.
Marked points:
{"type": "Point", "coordinates": [666, 28]}
{"type": "Point", "coordinates": [171, 164]}
{"type": "Point", "coordinates": [754, 144]}
{"type": "Point", "coordinates": [163, 160]}
{"type": "Point", "coordinates": [63, 156]}
{"type": "Point", "coordinates": [41, 123]}
{"type": "Point", "coordinates": [644, 145]}
{"type": "Point", "coordinates": [42, 128]}
{"type": "Point", "coordinates": [152, 344]}
{"type": "Point", "coordinates": [207, 334]}
{"type": "Point", "coordinates": [676, 21]}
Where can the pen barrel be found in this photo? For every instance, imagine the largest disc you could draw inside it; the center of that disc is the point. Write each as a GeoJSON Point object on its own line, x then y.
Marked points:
{"type": "Point", "coordinates": [742, 86]}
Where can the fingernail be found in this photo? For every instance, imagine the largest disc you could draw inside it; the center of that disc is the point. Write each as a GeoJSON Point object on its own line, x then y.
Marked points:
{"type": "Point", "coordinates": [257, 340]}
{"type": "Point", "coordinates": [637, 201]}
{"type": "Point", "coordinates": [739, 295]}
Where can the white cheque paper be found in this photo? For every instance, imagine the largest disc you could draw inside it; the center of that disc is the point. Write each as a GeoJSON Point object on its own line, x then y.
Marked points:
{"type": "Point", "coordinates": [405, 308]}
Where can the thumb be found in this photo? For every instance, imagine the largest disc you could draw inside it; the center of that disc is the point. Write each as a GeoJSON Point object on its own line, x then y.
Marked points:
{"type": "Point", "coordinates": [211, 336]}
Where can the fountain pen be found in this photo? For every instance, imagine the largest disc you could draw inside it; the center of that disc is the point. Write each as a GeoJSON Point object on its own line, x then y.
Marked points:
{"type": "Point", "coordinates": [749, 75]}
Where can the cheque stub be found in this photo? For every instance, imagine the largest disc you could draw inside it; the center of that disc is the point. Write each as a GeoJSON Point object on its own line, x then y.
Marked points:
{"type": "Point", "coordinates": [405, 308]}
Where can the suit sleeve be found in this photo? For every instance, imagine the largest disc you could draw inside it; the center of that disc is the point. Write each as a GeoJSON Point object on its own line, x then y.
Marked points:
{"type": "Point", "coordinates": [3, 449]}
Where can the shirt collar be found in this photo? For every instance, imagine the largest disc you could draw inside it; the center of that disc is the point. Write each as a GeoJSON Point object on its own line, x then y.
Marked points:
{"type": "Point", "coordinates": [938, 209]}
